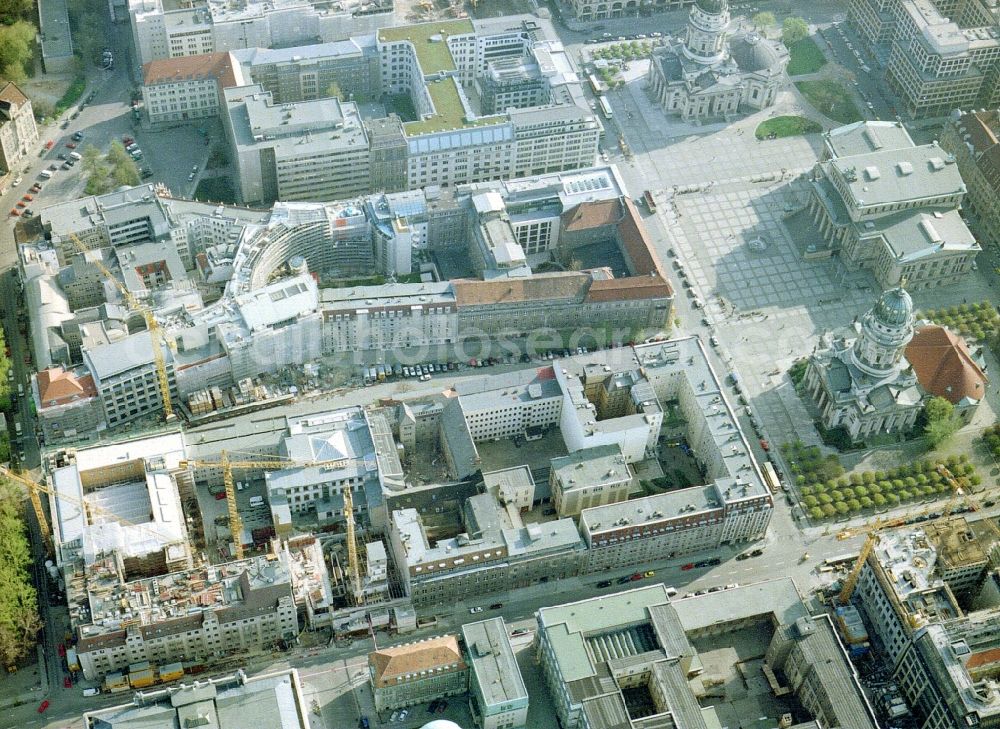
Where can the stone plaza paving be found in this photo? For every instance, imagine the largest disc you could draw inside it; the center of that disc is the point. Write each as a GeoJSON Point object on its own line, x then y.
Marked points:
{"type": "Point", "coordinates": [717, 188]}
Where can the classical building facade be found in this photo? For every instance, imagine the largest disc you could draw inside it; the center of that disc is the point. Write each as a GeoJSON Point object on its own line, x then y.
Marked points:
{"type": "Point", "coordinates": [866, 385]}
{"type": "Point", "coordinates": [710, 74]}
{"type": "Point", "coordinates": [17, 127]}
{"type": "Point", "coordinates": [884, 204]}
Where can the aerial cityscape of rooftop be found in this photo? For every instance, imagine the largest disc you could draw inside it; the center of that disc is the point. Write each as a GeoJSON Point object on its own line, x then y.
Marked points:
{"type": "Point", "coordinates": [500, 364]}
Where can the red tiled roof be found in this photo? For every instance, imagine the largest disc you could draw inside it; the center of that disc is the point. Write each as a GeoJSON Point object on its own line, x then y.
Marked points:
{"type": "Point", "coordinates": [596, 214]}
{"type": "Point", "coordinates": [625, 289]}
{"type": "Point", "coordinates": [403, 661]}
{"type": "Point", "coordinates": [58, 387]}
{"type": "Point", "coordinates": [183, 68]}
{"type": "Point", "coordinates": [543, 287]}
{"type": "Point", "coordinates": [983, 658]}
{"type": "Point", "coordinates": [635, 243]}
{"type": "Point", "coordinates": [11, 94]}
{"type": "Point", "coordinates": [944, 366]}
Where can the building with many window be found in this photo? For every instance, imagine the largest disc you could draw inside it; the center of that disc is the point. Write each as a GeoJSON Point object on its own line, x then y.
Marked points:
{"type": "Point", "coordinates": [887, 205]}
{"type": "Point", "coordinates": [972, 137]}
{"type": "Point", "coordinates": [498, 697]}
{"type": "Point", "coordinates": [305, 150]}
{"type": "Point", "coordinates": [168, 30]}
{"type": "Point", "coordinates": [939, 55]}
{"type": "Point", "coordinates": [18, 133]}
{"type": "Point", "coordinates": [588, 10]}
{"type": "Point", "coordinates": [415, 673]}
{"type": "Point", "coordinates": [589, 477]}
{"type": "Point", "coordinates": [187, 87]}
{"type": "Point", "coordinates": [67, 404]}
{"type": "Point", "coordinates": [708, 74]}
{"type": "Point", "coordinates": [943, 659]}
{"type": "Point", "coordinates": [275, 699]}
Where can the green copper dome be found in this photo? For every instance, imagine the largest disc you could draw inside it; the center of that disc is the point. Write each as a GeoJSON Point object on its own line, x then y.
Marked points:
{"type": "Point", "coordinates": [714, 7]}
{"type": "Point", "coordinates": [894, 307]}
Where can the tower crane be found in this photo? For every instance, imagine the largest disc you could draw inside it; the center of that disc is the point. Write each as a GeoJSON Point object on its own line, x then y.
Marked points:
{"type": "Point", "coordinates": [276, 464]}
{"type": "Point", "coordinates": [152, 326]}
{"type": "Point", "coordinates": [35, 488]}
{"type": "Point", "coordinates": [851, 581]}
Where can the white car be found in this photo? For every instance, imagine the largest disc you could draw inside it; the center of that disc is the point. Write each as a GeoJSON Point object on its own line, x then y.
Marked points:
{"type": "Point", "coordinates": [191, 177]}
{"type": "Point", "coordinates": [474, 610]}
{"type": "Point", "coordinates": [395, 716]}
{"type": "Point", "coordinates": [403, 714]}
{"type": "Point", "coordinates": [17, 181]}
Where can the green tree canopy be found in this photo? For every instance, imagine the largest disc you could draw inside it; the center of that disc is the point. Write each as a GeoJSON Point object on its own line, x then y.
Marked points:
{"type": "Point", "coordinates": [19, 622]}
{"type": "Point", "coordinates": [16, 42]}
{"type": "Point", "coordinates": [942, 421]}
{"type": "Point", "coordinates": [764, 20]}
{"type": "Point", "coordinates": [793, 30]}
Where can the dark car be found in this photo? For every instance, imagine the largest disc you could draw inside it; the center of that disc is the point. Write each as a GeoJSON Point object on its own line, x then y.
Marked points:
{"type": "Point", "coordinates": [442, 706]}
{"type": "Point", "coordinates": [363, 722]}
{"type": "Point", "coordinates": [604, 583]}
{"type": "Point", "coordinates": [623, 580]}
{"type": "Point", "coordinates": [756, 552]}
{"type": "Point", "coordinates": [432, 707]}
{"type": "Point", "coordinates": [988, 503]}
{"type": "Point", "coordinates": [702, 563]}
{"type": "Point", "coordinates": [741, 557]}
{"type": "Point", "coordinates": [714, 562]}
{"type": "Point", "coordinates": [496, 606]}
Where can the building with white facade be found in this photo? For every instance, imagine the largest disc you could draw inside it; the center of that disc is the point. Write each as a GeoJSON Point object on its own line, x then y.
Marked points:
{"type": "Point", "coordinates": [306, 150]}
{"type": "Point", "coordinates": [498, 697]}
{"type": "Point", "coordinates": [710, 74]}
{"type": "Point", "coordinates": [166, 30]}
{"type": "Point", "coordinates": [589, 477]}
{"type": "Point", "coordinates": [943, 659]}
{"type": "Point", "coordinates": [938, 55]}
{"type": "Point", "coordinates": [274, 699]}
{"type": "Point", "coordinates": [496, 551]}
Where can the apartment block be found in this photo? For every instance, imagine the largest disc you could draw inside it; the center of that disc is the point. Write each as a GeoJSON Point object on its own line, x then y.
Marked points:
{"type": "Point", "coordinates": [495, 551]}
{"type": "Point", "coordinates": [18, 133]}
{"type": "Point", "coordinates": [307, 150]}
{"type": "Point", "coordinates": [67, 404]}
{"type": "Point", "coordinates": [166, 30]}
{"type": "Point", "coordinates": [942, 658]}
{"type": "Point", "coordinates": [275, 699]}
{"type": "Point", "coordinates": [125, 376]}
{"type": "Point", "coordinates": [187, 87]}
{"type": "Point", "coordinates": [939, 55]}
{"type": "Point", "coordinates": [892, 210]}
{"type": "Point", "coordinates": [589, 477]}
{"type": "Point", "coordinates": [211, 612]}
{"type": "Point", "coordinates": [589, 10]}
{"type": "Point", "coordinates": [498, 697]}
{"type": "Point", "coordinates": [414, 673]}
{"type": "Point", "coordinates": [350, 68]}
{"type": "Point", "coordinates": [972, 137]}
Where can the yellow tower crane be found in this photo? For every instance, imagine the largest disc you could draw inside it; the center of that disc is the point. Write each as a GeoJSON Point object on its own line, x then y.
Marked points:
{"type": "Point", "coordinates": [851, 581]}
{"type": "Point", "coordinates": [276, 464]}
{"type": "Point", "coordinates": [353, 566]}
{"type": "Point", "coordinates": [35, 488]}
{"type": "Point", "coordinates": [152, 326]}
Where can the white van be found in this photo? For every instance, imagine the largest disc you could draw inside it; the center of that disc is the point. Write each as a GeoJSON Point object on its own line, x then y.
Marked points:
{"type": "Point", "coordinates": [75, 155]}
{"type": "Point", "coordinates": [256, 501]}
{"type": "Point", "coordinates": [46, 174]}
{"type": "Point", "coordinates": [91, 692]}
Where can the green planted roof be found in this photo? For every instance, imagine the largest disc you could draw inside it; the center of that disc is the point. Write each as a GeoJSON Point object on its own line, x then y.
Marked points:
{"type": "Point", "coordinates": [450, 113]}
{"type": "Point", "coordinates": [430, 41]}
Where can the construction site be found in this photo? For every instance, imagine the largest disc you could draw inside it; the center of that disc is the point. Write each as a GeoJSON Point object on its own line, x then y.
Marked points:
{"type": "Point", "coordinates": [421, 11]}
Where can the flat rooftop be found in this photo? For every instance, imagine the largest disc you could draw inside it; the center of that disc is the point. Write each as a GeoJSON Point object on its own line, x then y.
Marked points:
{"type": "Point", "coordinates": [493, 663]}
{"type": "Point", "coordinates": [429, 41]}
{"type": "Point", "coordinates": [273, 701]}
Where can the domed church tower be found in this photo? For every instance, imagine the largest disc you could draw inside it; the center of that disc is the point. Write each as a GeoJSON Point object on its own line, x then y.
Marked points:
{"type": "Point", "coordinates": [885, 331]}
{"type": "Point", "coordinates": [708, 25]}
